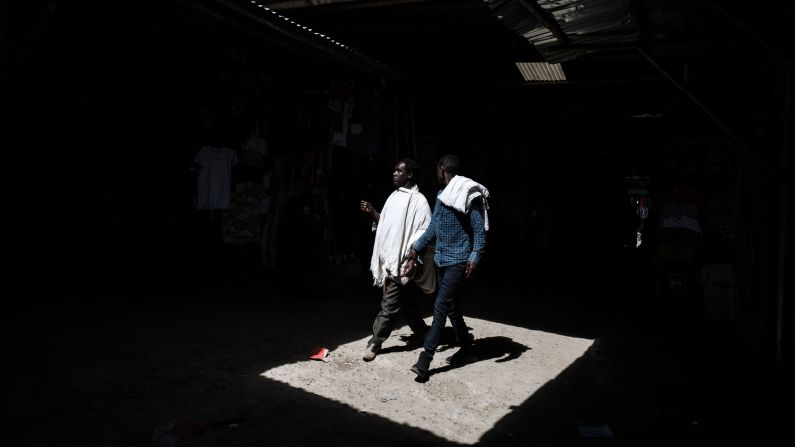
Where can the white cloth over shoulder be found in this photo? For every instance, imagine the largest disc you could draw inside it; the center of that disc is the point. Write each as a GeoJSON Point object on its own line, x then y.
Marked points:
{"type": "Point", "coordinates": [405, 217]}
{"type": "Point", "coordinates": [461, 191]}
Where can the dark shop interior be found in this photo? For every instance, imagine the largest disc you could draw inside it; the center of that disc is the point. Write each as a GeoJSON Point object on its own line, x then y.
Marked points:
{"type": "Point", "coordinates": [186, 262]}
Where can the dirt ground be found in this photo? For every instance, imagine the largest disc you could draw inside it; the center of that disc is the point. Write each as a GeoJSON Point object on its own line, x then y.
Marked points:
{"type": "Point", "coordinates": [230, 367]}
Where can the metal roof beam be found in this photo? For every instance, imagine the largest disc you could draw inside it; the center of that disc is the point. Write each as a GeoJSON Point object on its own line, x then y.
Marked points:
{"type": "Point", "coordinates": [337, 4]}
{"type": "Point", "coordinates": [546, 19]}
{"type": "Point", "coordinates": [314, 46]}
{"type": "Point", "coordinates": [726, 129]}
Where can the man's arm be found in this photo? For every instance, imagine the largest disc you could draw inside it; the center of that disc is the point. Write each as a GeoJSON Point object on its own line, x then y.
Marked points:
{"type": "Point", "coordinates": [427, 237]}
{"type": "Point", "coordinates": [419, 219]}
{"type": "Point", "coordinates": [478, 235]}
{"type": "Point", "coordinates": [368, 208]}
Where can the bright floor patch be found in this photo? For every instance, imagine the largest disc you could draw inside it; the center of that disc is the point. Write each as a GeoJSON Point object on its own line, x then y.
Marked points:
{"type": "Point", "coordinates": [459, 404]}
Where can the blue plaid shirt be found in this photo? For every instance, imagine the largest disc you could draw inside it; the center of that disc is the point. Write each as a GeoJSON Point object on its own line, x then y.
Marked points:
{"type": "Point", "coordinates": [459, 237]}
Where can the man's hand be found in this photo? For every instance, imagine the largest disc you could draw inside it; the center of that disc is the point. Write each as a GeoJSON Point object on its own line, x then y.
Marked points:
{"type": "Point", "coordinates": [410, 262]}
{"type": "Point", "coordinates": [408, 267]}
{"type": "Point", "coordinates": [366, 206]}
{"type": "Point", "coordinates": [471, 267]}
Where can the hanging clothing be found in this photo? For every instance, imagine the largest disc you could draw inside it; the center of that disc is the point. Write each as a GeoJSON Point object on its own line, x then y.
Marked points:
{"type": "Point", "coordinates": [214, 184]}
{"type": "Point", "coordinates": [241, 224]}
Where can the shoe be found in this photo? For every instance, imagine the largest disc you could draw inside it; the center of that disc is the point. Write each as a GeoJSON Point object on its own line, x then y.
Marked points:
{"type": "Point", "coordinates": [415, 339]}
{"type": "Point", "coordinates": [466, 342]}
{"type": "Point", "coordinates": [464, 355]}
{"type": "Point", "coordinates": [421, 368]}
{"type": "Point", "coordinates": [370, 352]}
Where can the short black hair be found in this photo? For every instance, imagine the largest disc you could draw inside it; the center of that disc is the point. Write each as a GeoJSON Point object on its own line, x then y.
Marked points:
{"type": "Point", "coordinates": [412, 167]}
{"type": "Point", "coordinates": [450, 163]}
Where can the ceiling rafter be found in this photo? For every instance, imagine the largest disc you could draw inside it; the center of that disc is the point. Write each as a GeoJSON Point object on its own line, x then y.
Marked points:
{"type": "Point", "coordinates": [285, 5]}
{"type": "Point", "coordinates": [546, 19]}
{"type": "Point", "coordinates": [290, 31]}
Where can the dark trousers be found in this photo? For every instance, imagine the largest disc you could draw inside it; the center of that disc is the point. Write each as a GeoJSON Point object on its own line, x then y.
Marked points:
{"type": "Point", "coordinates": [446, 305]}
{"type": "Point", "coordinates": [393, 302]}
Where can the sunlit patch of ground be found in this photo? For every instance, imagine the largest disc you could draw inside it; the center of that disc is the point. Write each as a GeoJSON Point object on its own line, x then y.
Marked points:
{"type": "Point", "coordinates": [459, 404]}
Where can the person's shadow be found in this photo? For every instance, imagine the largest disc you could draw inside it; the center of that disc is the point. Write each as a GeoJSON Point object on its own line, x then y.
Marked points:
{"type": "Point", "coordinates": [482, 348]}
{"type": "Point", "coordinates": [504, 349]}
{"type": "Point", "coordinates": [410, 343]}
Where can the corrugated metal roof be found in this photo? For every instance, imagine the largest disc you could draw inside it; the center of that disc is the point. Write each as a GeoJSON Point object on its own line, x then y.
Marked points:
{"type": "Point", "coordinates": [294, 31]}
{"type": "Point", "coordinates": [541, 71]}
{"type": "Point", "coordinates": [584, 22]}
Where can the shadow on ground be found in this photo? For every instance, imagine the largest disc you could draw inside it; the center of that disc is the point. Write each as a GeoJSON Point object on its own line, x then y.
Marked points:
{"type": "Point", "coordinates": [96, 361]}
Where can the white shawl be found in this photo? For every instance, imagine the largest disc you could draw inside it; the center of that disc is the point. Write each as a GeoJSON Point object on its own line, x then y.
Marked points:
{"type": "Point", "coordinates": [460, 192]}
{"type": "Point", "coordinates": [404, 219]}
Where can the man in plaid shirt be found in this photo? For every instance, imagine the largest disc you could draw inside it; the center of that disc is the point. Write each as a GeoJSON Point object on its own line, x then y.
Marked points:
{"type": "Point", "coordinates": [458, 228]}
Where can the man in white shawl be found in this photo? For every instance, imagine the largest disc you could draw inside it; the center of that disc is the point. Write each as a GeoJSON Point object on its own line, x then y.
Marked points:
{"type": "Point", "coordinates": [404, 218]}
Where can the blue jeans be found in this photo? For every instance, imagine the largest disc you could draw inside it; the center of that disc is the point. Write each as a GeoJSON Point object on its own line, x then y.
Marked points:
{"type": "Point", "coordinates": [446, 305]}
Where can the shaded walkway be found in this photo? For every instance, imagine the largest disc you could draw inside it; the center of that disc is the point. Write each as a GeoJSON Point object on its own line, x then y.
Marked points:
{"type": "Point", "coordinates": [88, 370]}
